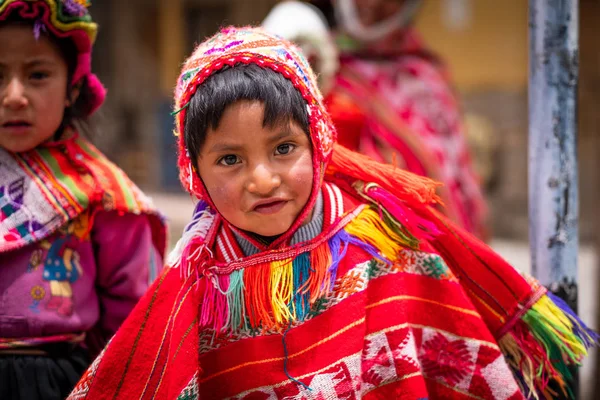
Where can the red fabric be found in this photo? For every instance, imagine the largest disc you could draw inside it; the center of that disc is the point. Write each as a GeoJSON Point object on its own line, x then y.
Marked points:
{"type": "Point", "coordinates": [150, 333]}
{"type": "Point", "coordinates": [397, 332]}
{"type": "Point", "coordinates": [494, 286]}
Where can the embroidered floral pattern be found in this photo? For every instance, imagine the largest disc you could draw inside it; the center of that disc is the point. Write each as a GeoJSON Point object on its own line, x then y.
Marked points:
{"type": "Point", "coordinates": [449, 360]}
{"type": "Point", "coordinates": [62, 267]}
{"type": "Point", "coordinates": [397, 355]}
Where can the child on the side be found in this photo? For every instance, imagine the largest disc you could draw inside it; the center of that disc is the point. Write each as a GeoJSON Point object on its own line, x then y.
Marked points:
{"type": "Point", "coordinates": [310, 271]}
{"type": "Point", "coordinates": [79, 243]}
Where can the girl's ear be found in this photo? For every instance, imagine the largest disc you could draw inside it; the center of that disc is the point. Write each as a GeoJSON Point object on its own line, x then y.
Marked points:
{"type": "Point", "coordinates": [73, 94]}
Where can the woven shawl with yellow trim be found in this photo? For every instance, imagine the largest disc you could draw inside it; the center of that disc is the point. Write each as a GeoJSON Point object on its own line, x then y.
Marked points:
{"type": "Point", "coordinates": [44, 188]}
{"type": "Point", "coordinates": [391, 300]}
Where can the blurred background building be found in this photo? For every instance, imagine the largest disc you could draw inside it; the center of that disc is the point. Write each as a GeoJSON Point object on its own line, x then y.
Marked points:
{"type": "Point", "coordinates": [484, 42]}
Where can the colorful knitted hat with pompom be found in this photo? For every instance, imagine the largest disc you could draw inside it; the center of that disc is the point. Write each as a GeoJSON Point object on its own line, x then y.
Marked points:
{"type": "Point", "coordinates": [63, 19]}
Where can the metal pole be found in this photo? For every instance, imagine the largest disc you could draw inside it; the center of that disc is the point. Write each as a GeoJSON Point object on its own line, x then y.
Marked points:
{"type": "Point", "coordinates": [553, 189]}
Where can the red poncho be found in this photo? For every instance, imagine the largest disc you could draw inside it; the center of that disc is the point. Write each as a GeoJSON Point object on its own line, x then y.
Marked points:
{"type": "Point", "coordinates": [390, 300]}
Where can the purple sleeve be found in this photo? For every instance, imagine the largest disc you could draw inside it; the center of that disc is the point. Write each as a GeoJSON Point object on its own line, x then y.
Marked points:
{"type": "Point", "coordinates": [125, 257]}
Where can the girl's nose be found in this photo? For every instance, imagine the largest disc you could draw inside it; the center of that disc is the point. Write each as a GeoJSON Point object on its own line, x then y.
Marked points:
{"type": "Point", "coordinates": [14, 95]}
{"type": "Point", "coordinates": [263, 181]}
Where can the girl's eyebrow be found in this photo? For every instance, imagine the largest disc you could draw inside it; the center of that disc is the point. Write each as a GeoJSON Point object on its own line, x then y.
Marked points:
{"type": "Point", "coordinates": [37, 62]}
{"type": "Point", "coordinates": [230, 147]}
{"type": "Point", "coordinates": [283, 134]}
{"type": "Point", "coordinates": [224, 147]}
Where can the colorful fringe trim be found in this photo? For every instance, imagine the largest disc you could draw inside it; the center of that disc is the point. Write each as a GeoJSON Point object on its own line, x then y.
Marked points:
{"type": "Point", "coordinates": [195, 232]}
{"type": "Point", "coordinates": [545, 338]}
{"type": "Point", "coordinates": [272, 295]}
{"type": "Point", "coordinates": [543, 343]}
{"type": "Point", "coordinates": [402, 219]}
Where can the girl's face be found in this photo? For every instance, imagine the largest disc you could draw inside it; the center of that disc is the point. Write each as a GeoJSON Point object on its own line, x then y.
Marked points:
{"type": "Point", "coordinates": [259, 178]}
{"type": "Point", "coordinates": [33, 88]}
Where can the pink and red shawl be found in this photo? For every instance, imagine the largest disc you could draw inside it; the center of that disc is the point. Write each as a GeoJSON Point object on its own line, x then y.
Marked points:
{"type": "Point", "coordinates": [394, 103]}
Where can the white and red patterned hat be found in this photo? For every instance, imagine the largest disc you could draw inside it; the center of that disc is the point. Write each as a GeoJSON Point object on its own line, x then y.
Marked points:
{"type": "Point", "coordinates": [250, 45]}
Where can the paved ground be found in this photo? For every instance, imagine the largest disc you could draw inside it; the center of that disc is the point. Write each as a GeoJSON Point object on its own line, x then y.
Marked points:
{"type": "Point", "coordinates": [178, 209]}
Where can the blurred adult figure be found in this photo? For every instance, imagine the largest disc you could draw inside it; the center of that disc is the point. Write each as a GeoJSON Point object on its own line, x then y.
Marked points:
{"type": "Point", "coordinates": [392, 100]}
{"type": "Point", "coordinates": [305, 25]}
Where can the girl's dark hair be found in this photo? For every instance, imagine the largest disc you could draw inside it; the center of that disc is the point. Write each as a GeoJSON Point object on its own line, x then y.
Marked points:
{"type": "Point", "coordinates": [75, 114]}
{"type": "Point", "coordinates": [283, 102]}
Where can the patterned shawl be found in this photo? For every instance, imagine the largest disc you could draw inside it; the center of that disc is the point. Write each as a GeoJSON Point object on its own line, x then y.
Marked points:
{"type": "Point", "coordinates": [46, 187]}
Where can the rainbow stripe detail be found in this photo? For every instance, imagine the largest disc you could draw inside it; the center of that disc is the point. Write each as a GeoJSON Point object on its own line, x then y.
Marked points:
{"type": "Point", "coordinates": [58, 182]}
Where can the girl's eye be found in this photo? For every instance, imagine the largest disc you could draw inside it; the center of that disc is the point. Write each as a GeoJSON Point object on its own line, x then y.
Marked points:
{"type": "Point", "coordinates": [285, 148]}
{"type": "Point", "coordinates": [38, 76]}
{"type": "Point", "coordinates": [229, 159]}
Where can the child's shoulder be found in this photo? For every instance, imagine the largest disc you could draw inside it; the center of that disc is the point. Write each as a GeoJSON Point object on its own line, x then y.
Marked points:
{"type": "Point", "coordinates": [113, 187]}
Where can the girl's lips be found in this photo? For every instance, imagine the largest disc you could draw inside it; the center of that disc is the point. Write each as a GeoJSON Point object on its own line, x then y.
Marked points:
{"type": "Point", "coordinates": [270, 208]}
{"type": "Point", "coordinates": [16, 127]}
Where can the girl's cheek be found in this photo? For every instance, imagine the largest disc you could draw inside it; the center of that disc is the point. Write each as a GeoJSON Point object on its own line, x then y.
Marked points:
{"type": "Point", "coordinates": [223, 195]}
{"type": "Point", "coordinates": [217, 192]}
{"type": "Point", "coordinates": [302, 171]}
